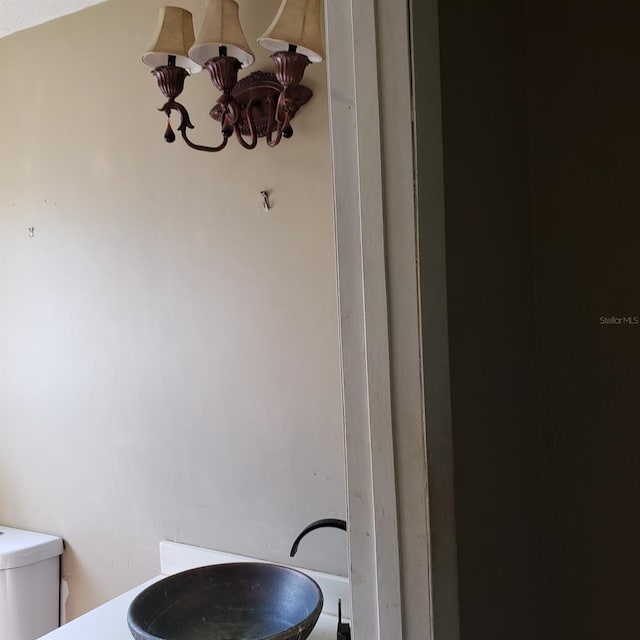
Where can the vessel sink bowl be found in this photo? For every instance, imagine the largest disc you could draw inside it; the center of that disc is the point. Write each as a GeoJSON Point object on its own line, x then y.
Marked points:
{"type": "Point", "coordinates": [236, 601]}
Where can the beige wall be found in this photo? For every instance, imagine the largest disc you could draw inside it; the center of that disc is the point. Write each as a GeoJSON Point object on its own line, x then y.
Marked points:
{"type": "Point", "coordinates": [169, 361]}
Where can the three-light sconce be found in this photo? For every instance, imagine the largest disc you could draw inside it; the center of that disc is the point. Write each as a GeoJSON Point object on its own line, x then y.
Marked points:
{"type": "Point", "coordinates": [261, 104]}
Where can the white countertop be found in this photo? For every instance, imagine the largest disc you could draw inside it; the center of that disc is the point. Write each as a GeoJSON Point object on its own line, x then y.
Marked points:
{"type": "Point", "coordinates": [109, 621]}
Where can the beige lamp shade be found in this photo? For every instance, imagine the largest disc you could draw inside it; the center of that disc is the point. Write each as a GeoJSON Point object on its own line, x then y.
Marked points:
{"type": "Point", "coordinates": [297, 22]}
{"type": "Point", "coordinates": [221, 28]}
{"type": "Point", "coordinates": [173, 37]}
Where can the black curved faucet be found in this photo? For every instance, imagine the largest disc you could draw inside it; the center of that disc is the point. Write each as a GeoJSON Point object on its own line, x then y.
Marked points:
{"type": "Point", "coordinates": [344, 630]}
{"type": "Point", "coordinates": [336, 523]}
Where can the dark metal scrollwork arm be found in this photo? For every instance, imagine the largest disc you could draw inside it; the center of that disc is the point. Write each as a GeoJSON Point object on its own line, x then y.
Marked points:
{"type": "Point", "coordinates": [252, 129]}
{"type": "Point", "coordinates": [280, 118]}
{"type": "Point", "coordinates": [185, 123]}
{"type": "Point", "coordinates": [273, 125]}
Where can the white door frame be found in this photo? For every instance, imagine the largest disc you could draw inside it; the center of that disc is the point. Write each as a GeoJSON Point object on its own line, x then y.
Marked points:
{"type": "Point", "coordinates": [362, 300]}
{"type": "Point", "coordinates": [392, 555]}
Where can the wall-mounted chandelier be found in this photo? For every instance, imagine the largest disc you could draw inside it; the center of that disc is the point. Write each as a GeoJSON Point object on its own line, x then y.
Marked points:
{"type": "Point", "coordinates": [261, 104]}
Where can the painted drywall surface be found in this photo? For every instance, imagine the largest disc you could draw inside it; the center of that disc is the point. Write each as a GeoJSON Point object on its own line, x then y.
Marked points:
{"type": "Point", "coordinates": [16, 15]}
{"type": "Point", "coordinates": [169, 360]}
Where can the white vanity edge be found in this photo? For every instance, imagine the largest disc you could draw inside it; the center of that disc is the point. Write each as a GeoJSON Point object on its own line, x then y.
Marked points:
{"type": "Point", "coordinates": [109, 621]}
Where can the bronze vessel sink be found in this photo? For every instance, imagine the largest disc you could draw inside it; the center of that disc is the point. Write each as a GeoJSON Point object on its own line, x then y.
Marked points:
{"type": "Point", "coordinates": [236, 601]}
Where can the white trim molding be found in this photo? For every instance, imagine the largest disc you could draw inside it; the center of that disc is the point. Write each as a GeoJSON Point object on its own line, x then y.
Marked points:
{"type": "Point", "coordinates": [373, 532]}
{"type": "Point", "coordinates": [387, 426]}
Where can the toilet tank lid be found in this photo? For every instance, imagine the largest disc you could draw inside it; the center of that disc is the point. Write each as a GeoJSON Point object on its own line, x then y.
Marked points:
{"type": "Point", "coordinates": [19, 548]}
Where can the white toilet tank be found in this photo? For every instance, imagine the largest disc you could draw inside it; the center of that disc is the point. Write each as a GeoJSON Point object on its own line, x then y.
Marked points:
{"type": "Point", "coordinates": [29, 584]}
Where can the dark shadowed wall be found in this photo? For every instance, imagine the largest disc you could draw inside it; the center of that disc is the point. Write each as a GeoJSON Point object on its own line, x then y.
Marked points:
{"type": "Point", "coordinates": [541, 147]}
{"type": "Point", "coordinates": [491, 318]}
{"type": "Point", "coordinates": [585, 143]}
